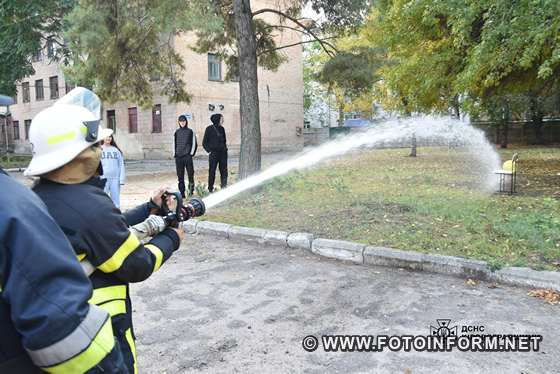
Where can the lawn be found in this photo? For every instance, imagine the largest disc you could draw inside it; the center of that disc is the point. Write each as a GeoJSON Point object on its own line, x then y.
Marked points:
{"type": "Point", "coordinates": [431, 203]}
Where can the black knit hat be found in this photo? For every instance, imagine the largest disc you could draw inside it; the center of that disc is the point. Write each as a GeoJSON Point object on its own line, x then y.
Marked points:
{"type": "Point", "coordinates": [182, 117]}
{"type": "Point", "coordinates": [215, 118]}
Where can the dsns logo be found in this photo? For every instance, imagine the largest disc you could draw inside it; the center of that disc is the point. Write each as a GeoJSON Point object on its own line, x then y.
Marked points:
{"type": "Point", "coordinates": [444, 328]}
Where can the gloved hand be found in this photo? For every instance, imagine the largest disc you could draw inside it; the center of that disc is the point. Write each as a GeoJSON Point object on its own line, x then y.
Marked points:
{"type": "Point", "coordinates": [153, 225]}
{"type": "Point", "coordinates": [156, 224]}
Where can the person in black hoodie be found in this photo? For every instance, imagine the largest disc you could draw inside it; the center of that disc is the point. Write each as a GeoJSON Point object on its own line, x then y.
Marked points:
{"type": "Point", "coordinates": [184, 148]}
{"type": "Point", "coordinates": [215, 144]}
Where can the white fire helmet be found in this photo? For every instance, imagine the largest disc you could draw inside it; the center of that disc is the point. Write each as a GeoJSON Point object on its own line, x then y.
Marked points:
{"type": "Point", "coordinates": [59, 133]}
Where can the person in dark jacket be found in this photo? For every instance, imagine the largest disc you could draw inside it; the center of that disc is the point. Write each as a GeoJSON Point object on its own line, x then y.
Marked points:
{"type": "Point", "coordinates": [45, 318]}
{"type": "Point", "coordinates": [184, 149]}
{"type": "Point", "coordinates": [67, 158]}
{"type": "Point", "coordinates": [215, 143]}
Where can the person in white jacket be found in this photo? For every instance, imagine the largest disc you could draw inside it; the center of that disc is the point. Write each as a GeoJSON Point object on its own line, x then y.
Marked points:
{"type": "Point", "coordinates": [112, 160]}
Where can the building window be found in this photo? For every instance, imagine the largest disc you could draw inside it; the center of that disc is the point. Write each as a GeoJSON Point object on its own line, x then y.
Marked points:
{"type": "Point", "coordinates": [53, 84]}
{"type": "Point", "coordinates": [156, 118]}
{"type": "Point", "coordinates": [25, 91]}
{"type": "Point", "coordinates": [39, 92]}
{"type": "Point", "coordinates": [69, 86]}
{"type": "Point", "coordinates": [27, 126]}
{"type": "Point", "coordinates": [16, 130]}
{"type": "Point", "coordinates": [132, 120]}
{"type": "Point", "coordinates": [50, 48]}
{"type": "Point", "coordinates": [111, 120]}
{"type": "Point", "coordinates": [37, 55]}
{"type": "Point", "coordinates": [214, 67]}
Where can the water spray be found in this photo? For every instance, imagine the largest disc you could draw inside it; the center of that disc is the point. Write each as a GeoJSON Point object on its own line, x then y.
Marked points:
{"type": "Point", "coordinates": [426, 129]}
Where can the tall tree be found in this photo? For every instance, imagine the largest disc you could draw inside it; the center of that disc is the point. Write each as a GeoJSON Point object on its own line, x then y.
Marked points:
{"type": "Point", "coordinates": [25, 27]}
{"type": "Point", "coordinates": [474, 50]}
{"type": "Point", "coordinates": [246, 42]}
{"type": "Point", "coordinates": [128, 37]}
{"type": "Point", "coordinates": [421, 59]}
{"type": "Point", "coordinates": [121, 47]}
{"type": "Point", "coordinates": [249, 159]}
{"type": "Point", "coordinates": [351, 74]}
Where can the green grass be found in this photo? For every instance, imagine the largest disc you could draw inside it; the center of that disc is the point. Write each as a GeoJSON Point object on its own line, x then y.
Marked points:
{"type": "Point", "coordinates": [14, 161]}
{"type": "Point", "coordinates": [431, 203]}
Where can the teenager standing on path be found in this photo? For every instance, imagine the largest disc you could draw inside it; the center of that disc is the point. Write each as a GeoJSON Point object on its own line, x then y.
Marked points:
{"type": "Point", "coordinates": [215, 144]}
{"type": "Point", "coordinates": [184, 148]}
{"type": "Point", "coordinates": [112, 160]}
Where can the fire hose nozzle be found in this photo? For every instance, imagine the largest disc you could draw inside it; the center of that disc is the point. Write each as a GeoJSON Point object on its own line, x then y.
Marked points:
{"type": "Point", "coordinates": [182, 212]}
{"type": "Point", "coordinates": [195, 208]}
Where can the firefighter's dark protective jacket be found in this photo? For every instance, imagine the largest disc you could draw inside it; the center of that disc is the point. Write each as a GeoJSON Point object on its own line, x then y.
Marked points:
{"type": "Point", "coordinates": [99, 233]}
{"type": "Point", "coordinates": [45, 318]}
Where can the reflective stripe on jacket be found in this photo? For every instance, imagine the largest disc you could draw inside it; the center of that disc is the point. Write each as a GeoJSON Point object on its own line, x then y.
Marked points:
{"type": "Point", "coordinates": [45, 318]}
{"type": "Point", "coordinates": [99, 233]}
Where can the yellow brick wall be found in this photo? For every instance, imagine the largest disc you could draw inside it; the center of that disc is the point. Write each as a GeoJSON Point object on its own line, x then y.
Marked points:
{"type": "Point", "coordinates": [280, 94]}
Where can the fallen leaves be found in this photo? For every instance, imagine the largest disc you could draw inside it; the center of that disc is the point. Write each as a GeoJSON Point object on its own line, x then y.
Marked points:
{"type": "Point", "coordinates": [550, 296]}
{"type": "Point", "coordinates": [471, 282]}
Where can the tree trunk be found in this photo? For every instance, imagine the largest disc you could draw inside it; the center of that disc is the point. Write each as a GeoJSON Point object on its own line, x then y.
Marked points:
{"type": "Point", "coordinates": [538, 127]}
{"type": "Point", "coordinates": [524, 131]}
{"type": "Point", "coordinates": [250, 155]}
{"type": "Point", "coordinates": [340, 115]}
{"type": "Point", "coordinates": [505, 135]}
{"type": "Point", "coordinates": [456, 108]}
{"type": "Point", "coordinates": [537, 117]}
{"type": "Point", "coordinates": [506, 116]}
{"type": "Point", "coordinates": [413, 148]}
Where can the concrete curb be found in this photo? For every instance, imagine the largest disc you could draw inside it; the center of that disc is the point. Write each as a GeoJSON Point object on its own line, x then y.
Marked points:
{"type": "Point", "coordinates": [279, 238]}
{"type": "Point", "coordinates": [246, 233]}
{"type": "Point", "coordinates": [213, 228]}
{"type": "Point", "coordinates": [300, 240]}
{"type": "Point", "coordinates": [341, 250]}
{"type": "Point", "coordinates": [380, 256]}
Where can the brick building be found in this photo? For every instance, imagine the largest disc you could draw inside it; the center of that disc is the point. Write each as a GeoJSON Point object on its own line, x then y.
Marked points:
{"type": "Point", "coordinates": [148, 133]}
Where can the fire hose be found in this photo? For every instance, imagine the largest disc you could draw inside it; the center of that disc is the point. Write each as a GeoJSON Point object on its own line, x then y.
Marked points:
{"type": "Point", "coordinates": [172, 214]}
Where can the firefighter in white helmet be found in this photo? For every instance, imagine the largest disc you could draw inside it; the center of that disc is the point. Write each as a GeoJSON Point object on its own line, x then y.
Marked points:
{"type": "Point", "coordinates": [66, 157]}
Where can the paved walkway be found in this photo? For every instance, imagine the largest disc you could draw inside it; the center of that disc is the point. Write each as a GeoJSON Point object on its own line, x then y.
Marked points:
{"type": "Point", "coordinates": [224, 307]}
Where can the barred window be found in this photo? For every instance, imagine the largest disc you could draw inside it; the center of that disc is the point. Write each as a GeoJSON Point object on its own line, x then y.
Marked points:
{"type": "Point", "coordinates": [16, 130]}
{"type": "Point", "coordinates": [39, 91]}
{"type": "Point", "coordinates": [53, 85]}
{"type": "Point", "coordinates": [214, 67]}
{"type": "Point", "coordinates": [25, 92]}
{"type": "Point", "coordinates": [132, 120]}
{"type": "Point", "coordinates": [156, 118]}
{"type": "Point", "coordinates": [27, 123]}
